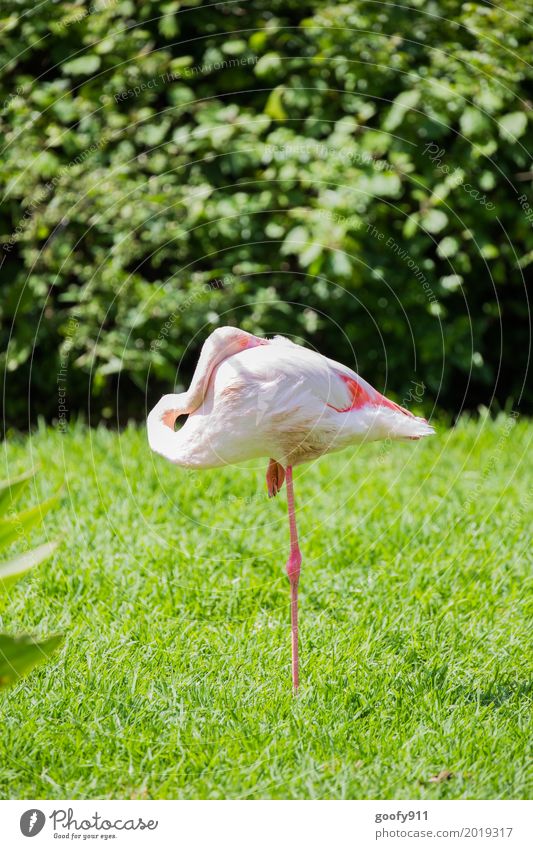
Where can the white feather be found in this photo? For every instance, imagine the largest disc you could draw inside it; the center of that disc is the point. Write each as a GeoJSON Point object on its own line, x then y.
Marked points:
{"type": "Point", "coordinates": [274, 399]}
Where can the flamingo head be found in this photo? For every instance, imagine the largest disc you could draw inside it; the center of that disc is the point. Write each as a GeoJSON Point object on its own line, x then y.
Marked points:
{"type": "Point", "coordinates": [250, 341]}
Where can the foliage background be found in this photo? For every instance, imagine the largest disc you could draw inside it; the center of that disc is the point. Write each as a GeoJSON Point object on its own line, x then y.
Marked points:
{"type": "Point", "coordinates": [348, 174]}
{"type": "Point", "coordinates": [167, 167]}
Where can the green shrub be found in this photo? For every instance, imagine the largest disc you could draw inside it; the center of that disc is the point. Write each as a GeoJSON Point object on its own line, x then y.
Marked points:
{"type": "Point", "coordinates": [354, 175]}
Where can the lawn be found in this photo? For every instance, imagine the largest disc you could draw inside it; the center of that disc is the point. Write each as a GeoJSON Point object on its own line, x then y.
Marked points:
{"type": "Point", "coordinates": [174, 681]}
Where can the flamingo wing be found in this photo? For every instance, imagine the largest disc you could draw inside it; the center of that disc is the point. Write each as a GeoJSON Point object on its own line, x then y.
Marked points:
{"type": "Point", "coordinates": [299, 388]}
{"type": "Point", "coordinates": [300, 370]}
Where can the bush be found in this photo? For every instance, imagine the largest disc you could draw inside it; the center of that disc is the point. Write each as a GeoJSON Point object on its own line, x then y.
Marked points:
{"type": "Point", "coordinates": [352, 175]}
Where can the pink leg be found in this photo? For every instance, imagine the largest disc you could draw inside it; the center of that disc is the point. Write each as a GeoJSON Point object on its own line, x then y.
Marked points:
{"type": "Point", "coordinates": [293, 571]}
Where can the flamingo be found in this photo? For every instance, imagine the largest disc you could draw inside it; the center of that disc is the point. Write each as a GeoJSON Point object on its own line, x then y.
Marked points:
{"type": "Point", "coordinates": [253, 397]}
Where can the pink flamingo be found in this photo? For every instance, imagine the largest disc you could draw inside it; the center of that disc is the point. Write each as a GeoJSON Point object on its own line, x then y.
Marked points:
{"type": "Point", "coordinates": [252, 397]}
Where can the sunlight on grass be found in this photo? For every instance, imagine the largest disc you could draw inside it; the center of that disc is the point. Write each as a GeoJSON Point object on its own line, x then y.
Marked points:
{"type": "Point", "coordinates": [174, 680]}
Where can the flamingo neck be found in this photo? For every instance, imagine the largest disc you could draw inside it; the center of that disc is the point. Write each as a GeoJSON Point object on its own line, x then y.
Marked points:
{"type": "Point", "coordinates": [223, 343]}
{"type": "Point", "coordinates": [162, 437]}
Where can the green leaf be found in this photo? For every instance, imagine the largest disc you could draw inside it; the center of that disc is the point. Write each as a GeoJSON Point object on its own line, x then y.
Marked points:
{"type": "Point", "coordinates": [14, 569]}
{"type": "Point", "coordinates": [451, 282]}
{"type": "Point", "coordinates": [83, 65]}
{"type": "Point", "coordinates": [489, 251]}
{"type": "Point", "coordinates": [234, 47]}
{"type": "Point", "coordinates": [153, 134]}
{"type": "Point", "coordinates": [434, 220]}
{"type": "Point", "coordinates": [268, 65]}
{"type": "Point", "coordinates": [296, 241]}
{"type": "Point", "coordinates": [448, 247]}
{"type": "Point", "coordinates": [403, 103]}
{"type": "Point", "coordinates": [310, 254]}
{"type": "Point", "coordinates": [169, 27]}
{"type": "Point", "coordinates": [274, 105]}
{"type": "Point", "coordinates": [473, 122]}
{"type": "Point", "coordinates": [341, 264]}
{"type": "Point", "coordinates": [512, 126]}
{"type": "Point", "coordinates": [19, 655]}
{"type": "Point", "coordinates": [11, 489]}
{"type": "Point", "coordinates": [14, 527]}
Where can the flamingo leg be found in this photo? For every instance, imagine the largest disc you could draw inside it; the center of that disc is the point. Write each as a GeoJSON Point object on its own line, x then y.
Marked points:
{"type": "Point", "coordinates": [293, 571]}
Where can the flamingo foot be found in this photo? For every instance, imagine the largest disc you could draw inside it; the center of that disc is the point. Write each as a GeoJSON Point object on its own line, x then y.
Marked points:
{"type": "Point", "coordinates": [274, 477]}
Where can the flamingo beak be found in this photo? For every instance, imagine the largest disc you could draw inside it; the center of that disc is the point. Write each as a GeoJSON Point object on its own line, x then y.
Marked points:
{"type": "Point", "coordinates": [169, 418]}
{"type": "Point", "coordinates": [253, 342]}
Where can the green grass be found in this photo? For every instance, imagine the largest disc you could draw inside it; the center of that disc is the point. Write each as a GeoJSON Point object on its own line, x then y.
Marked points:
{"type": "Point", "coordinates": [174, 681]}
